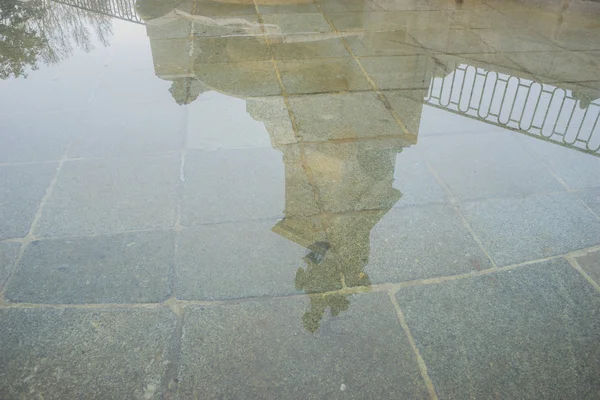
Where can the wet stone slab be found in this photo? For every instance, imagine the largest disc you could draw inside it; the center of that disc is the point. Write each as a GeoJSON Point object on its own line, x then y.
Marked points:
{"type": "Point", "coordinates": [112, 195]}
{"type": "Point", "coordinates": [236, 260]}
{"type": "Point", "coordinates": [232, 185]}
{"type": "Point", "coordinates": [264, 350]}
{"type": "Point", "coordinates": [488, 165]}
{"type": "Point", "coordinates": [417, 243]}
{"type": "Point", "coordinates": [527, 333]}
{"type": "Point", "coordinates": [83, 354]}
{"type": "Point", "coordinates": [22, 188]}
{"type": "Point", "coordinates": [515, 230]}
{"type": "Point", "coordinates": [126, 268]}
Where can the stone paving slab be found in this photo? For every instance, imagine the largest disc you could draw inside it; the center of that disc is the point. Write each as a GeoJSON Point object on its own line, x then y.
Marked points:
{"type": "Point", "coordinates": [134, 130]}
{"type": "Point", "coordinates": [263, 351]}
{"type": "Point", "coordinates": [577, 170]}
{"type": "Point", "coordinates": [487, 165]}
{"type": "Point", "coordinates": [8, 255]}
{"type": "Point", "coordinates": [236, 260]}
{"type": "Point", "coordinates": [83, 354]}
{"type": "Point", "coordinates": [515, 230]}
{"type": "Point", "coordinates": [126, 268]}
{"type": "Point", "coordinates": [112, 195]}
{"type": "Point", "coordinates": [233, 185]}
{"type": "Point", "coordinates": [527, 333]}
{"type": "Point", "coordinates": [417, 243]}
{"type": "Point", "coordinates": [22, 188]}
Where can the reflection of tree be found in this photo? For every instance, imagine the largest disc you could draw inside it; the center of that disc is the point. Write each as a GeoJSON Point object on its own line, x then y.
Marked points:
{"type": "Point", "coordinates": [40, 30]}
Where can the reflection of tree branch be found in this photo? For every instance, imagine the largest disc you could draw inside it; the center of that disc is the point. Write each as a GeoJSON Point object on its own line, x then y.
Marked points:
{"type": "Point", "coordinates": [43, 30]}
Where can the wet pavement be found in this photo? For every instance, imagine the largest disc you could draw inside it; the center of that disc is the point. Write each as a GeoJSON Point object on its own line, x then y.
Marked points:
{"type": "Point", "coordinates": [293, 199]}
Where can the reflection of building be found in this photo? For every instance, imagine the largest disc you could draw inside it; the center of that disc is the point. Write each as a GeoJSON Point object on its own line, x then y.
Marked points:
{"type": "Point", "coordinates": [337, 186]}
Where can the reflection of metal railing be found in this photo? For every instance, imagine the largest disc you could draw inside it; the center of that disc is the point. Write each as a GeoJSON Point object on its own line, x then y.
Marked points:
{"type": "Point", "coordinates": [529, 107]}
{"type": "Point", "coordinates": [121, 9]}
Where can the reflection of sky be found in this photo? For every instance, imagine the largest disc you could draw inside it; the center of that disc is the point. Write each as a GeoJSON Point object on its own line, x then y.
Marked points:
{"type": "Point", "coordinates": [520, 104]}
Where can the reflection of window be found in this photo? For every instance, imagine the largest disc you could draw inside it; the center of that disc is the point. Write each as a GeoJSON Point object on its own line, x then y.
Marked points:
{"type": "Point", "coordinates": [542, 110]}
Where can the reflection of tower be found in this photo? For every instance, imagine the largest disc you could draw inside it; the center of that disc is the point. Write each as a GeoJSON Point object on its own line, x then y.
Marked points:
{"type": "Point", "coordinates": [335, 194]}
{"type": "Point", "coordinates": [335, 190]}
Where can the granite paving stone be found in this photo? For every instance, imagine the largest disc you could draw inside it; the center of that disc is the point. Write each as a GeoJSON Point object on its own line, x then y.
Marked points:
{"type": "Point", "coordinates": [264, 350]}
{"type": "Point", "coordinates": [99, 354]}
{"type": "Point", "coordinates": [516, 230]}
{"type": "Point", "coordinates": [526, 333]}
{"type": "Point", "coordinates": [125, 268]}
{"type": "Point", "coordinates": [112, 195]}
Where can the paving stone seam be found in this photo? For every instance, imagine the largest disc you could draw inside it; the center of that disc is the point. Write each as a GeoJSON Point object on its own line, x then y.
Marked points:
{"type": "Point", "coordinates": [575, 264]}
{"type": "Point", "coordinates": [455, 205]}
{"type": "Point", "coordinates": [177, 305]}
{"type": "Point", "coordinates": [30, 237]}
{"type": "Point", "coordinates": [421, 363]}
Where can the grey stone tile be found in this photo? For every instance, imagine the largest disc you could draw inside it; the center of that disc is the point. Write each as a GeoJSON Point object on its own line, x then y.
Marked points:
{"type": "Point", "coordinates": [590, 263]}
{"type": "Point", "coordinates": [41, 137]}
{"type": "Point", "coordinates": [22, 188]}
{"type": "Point", "coordinates": [135, 130]}
{"type": "Point", "coordinates": [451, 41]}
{"type": "Point", "coordinates": [287, 48]}
{"type": "Point", "coordinates": [487, 165]}
{"type": "Point", "coordinates": [389, 43]}
{"type": "Point", "coordinates": [242, 79]}
{"type": "Point", "coordinates": [112, 195]}
{"type": "Point", "coordinates": [232, 185]}
{"type": "Point", "coordinates": [125, 268]}
{"type": "Point", "coordinates": [297, 23]}
{"type": "Point", "coordinates": [515, 230]}
{"type": "Point", "coordinates": [401, 72]}
{"type": "Point", "coordinates": [322, 76]}
{"type": "Point", "coordinates": [592, 199]}
{"type": "Point", "coordinates": [236, 260]}
{"type": "Point", "coordinates": [415, 181]}
{"type": "Point", "coordinates": [8, 255]}
{"type": "Point", "coordinates": [271, 355]}
{"type": "Point", "coordinates": [342, 116]}
{"type": "Point", "coordinates": [528, 333]}
{"type": "Point", "coordinates": [92, 354]}
{"type": "Point", "coordinates": [414, 243]}
{"type": "Point", "coordinates": [578, 170]}
{"type": "Point", "coordinates": [230, 49]}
